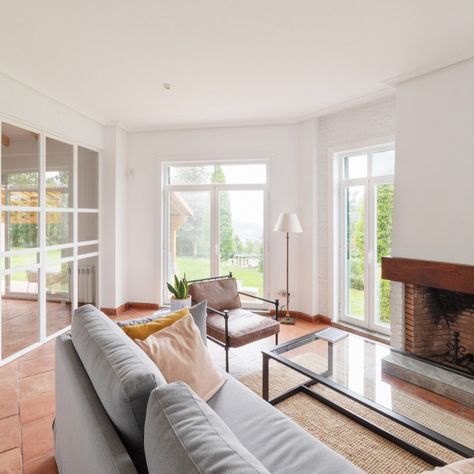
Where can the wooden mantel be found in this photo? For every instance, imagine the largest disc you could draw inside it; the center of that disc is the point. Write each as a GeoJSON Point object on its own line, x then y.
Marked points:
{"type": "Point", "coordinates": [445, 276]}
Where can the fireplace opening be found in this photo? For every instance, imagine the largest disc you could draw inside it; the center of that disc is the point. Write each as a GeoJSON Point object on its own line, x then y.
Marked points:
{"type": "Point", "coordinates": [439, 327]}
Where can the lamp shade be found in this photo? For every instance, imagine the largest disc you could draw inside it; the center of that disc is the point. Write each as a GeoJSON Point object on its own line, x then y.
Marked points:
{"type": "Point", "coordinates": [288, 223]}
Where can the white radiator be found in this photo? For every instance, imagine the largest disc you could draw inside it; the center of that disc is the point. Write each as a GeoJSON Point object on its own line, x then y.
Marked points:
{"type": "Point", "coordinates": [86, 284]}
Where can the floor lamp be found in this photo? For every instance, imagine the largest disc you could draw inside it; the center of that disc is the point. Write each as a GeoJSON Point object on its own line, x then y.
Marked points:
{"type": "Point", "coordinates": [290, 224]}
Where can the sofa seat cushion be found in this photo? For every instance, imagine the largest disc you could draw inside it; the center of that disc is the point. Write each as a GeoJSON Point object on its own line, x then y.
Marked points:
{"type": "Point", "coordinates": [123, 376]}
{"type": "Point", "coordinates": [244, 327]}
{"type": "Point", "coordinates": [278, 443]}
{"type": "Point", "coordinates": [183, 435]}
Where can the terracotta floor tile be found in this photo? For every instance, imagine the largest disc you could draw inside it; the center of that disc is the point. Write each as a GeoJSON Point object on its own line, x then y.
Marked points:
{"type": "Point", "coordinates": [9, 390]}
{"type": "Point", "coordinates": [10, 462]}
{"type": "Point", "coordinates": [37, 439]}
{"type": "Point", "coordinates": [37, 365]}
{"type": "Point", "coordinates": [9, 433]}
{"type": "Point", "coordinates": [36, 384]}
{"type": "Point", "coordinates": [44, 465]}
{"type": "Point", "coordinates": [34, 408]}
{"type": "Point", "coordinates": [44, 350]}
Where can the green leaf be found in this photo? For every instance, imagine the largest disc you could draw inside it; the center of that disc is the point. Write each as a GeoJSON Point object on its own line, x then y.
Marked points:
{"type": "Point", "coordinates": [181, 290]}
{"type": "Point", "coordinates": [172, 290]}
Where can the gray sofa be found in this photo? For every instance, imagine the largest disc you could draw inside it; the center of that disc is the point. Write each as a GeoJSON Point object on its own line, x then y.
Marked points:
{"type": "Point", "coordinates": [102, 425]}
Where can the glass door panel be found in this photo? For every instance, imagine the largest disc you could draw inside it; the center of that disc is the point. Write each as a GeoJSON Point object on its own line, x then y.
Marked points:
{"type": "Point", "coordinates": [354, 264]}
{"type": "Point", "coordinates": [87, 178]}
{"type": "Point", "coordinates": [241, 239]}
{"type": "Point", "coordinates": [59, 174]}
{"type": "Point", "coordinates": [20, 167]}
{"type": "Point", "coordinates": [20, 310]}
{"type": "Point", "coordinates": [383, 233]}
{"type": "Point", "coordinates": [189, 234]}
{"type": "Point", "coordinates": [58, 296]}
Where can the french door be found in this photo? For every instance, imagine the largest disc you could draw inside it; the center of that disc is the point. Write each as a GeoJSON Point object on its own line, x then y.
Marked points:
{"type": "Point", "coordinates": [366, 201]}
{"type": "Point", "coordinates": [216, 226]}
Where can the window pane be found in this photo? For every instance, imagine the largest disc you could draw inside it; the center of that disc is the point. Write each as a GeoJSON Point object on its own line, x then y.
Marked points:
{"type": "Point", "coordinates": [58, 254]}
{"type": "Point", "coordinates": [84, 249]}
{"type": "Point", "coordinates": [355, 241]}
{"type": "Point", "coordinates": [58, 297]}
{"type": "Point", "coordinates": [190, 234]}
{"type": "Point", "coordinates": [59, 228]}
{"type": "Point", "coordinates": [241, 217]}
{"type": "Point", "coordinates": [20, 311]}
{"type": "Point", "coordinates": [219, 174]}
{"type": "Point", "coordinates": [383, 163]}
{"type": "Point", "coordinates": [191, 174]}
{"type": "Point", "coordinates": [20, 166]}
{"type": "Point", "coordinates": [87, 280]}
{"type": "Point", "coordinates": [20, 230]}
{"type": "Point", "coordinates": [22, 260]}
{"type": "Point", "coordinates": [355, 166]}
{"type": "Point", "coordinates": [88, 226]}
{"type": "Point", "coordinates": [88, 178]}
{"type": "Point", "coordinates": [384, 206]}
{"type": "Point", "coordinates": [59, 173]}
{"type": "Point", "coordinates": [241, 174]}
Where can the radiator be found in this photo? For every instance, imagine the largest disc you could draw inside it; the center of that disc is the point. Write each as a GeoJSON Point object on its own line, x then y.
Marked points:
{"type": "Point", "coordinates": [86, 285]}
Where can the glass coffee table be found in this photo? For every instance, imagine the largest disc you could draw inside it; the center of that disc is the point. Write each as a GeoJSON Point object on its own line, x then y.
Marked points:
{"type": "Point", "coordinates": [351, 366]}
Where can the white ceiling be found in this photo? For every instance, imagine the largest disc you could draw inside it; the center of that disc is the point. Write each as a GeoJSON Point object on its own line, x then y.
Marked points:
{"type": "Point", "coordinates": [228, 61]}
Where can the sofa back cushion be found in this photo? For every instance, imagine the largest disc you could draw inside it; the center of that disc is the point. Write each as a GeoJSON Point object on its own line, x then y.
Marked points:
{"type": "Point", "coordinates": [184, 435]}
{"type": "Point", "coordinates": [220, 294]}
{"type": "Point", "coordinates": [122, 375]}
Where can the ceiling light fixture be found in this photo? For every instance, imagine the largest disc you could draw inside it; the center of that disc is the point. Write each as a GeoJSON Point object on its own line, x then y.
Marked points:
{"type": "Point", "coordinates": [166, 86]}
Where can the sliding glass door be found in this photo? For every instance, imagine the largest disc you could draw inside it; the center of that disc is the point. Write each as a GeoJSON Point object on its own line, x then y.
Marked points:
{"type": "Point", "coordinates": [366, 201]}
{"type": "Point", "coordinates": [215, 221]}
{"type": "Point", "coordinates": [49, 233]}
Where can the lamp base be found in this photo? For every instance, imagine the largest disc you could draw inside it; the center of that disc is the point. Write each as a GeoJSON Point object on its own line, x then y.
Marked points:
{"type": "Point", "coordinates": [287, 320]}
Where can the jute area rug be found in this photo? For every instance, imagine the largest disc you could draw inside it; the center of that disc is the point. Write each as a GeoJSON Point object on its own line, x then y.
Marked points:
{"type": "Point", "coordinates": [365, 449]}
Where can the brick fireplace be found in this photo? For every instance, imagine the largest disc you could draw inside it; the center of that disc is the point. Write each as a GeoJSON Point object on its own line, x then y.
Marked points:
{"type": "Point", "coordinates": [436, 314]}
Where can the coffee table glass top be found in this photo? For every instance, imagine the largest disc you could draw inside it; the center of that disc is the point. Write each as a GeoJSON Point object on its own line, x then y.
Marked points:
{"type": "Point", "coordinates": [355, 364]}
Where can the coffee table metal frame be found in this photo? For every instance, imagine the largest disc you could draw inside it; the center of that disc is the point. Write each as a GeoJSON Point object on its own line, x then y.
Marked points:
{"type": "Point", "coordinates": [314, 378]}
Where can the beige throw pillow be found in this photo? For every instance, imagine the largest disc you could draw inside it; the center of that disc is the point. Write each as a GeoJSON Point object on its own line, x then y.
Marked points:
{"type": "Point", "coordinates": [180, 354]}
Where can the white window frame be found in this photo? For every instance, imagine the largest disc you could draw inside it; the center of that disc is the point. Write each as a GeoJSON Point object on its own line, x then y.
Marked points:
{"type": "Point", "coordinates": [369, 183]}
{"type": "Point", "coordinates": [214, 190]}
{"type": "Point", "coordinates": [42, 249]}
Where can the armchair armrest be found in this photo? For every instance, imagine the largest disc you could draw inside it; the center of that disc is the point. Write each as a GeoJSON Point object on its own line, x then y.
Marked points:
{"type": "Point", "coordinates": [276, 302]}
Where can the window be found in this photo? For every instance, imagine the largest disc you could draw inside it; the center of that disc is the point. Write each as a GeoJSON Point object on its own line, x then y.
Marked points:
{"type": "Point", "coordinates": [365, 208]}
{"type": "Point", "coordinates": [44, 272]}
{"type": "Point", "coordinates": [215, 223]}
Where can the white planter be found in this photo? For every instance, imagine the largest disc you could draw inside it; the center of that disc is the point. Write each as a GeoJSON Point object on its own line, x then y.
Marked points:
{"type": "Point", "coordinates": [176, 304]}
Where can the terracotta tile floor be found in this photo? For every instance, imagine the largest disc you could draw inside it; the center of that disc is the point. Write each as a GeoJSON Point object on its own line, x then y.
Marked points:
{"type": "Point", "coordinates": [27, 398]}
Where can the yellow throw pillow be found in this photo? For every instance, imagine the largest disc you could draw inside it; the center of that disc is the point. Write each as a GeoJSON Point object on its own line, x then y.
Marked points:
{"type": "Point", "coordinates": [142, 331]}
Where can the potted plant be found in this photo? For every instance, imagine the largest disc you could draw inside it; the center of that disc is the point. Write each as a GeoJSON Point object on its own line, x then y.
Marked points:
{"type": "Point", "coordinates": [179, 290]}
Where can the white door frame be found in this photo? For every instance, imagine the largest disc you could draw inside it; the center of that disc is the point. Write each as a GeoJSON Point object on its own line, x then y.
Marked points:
{"type": "Point", "coordinates": [42, 249]}
{"type": "Point", "coordinates": [341, 184]}
{"type": "Point", "coordinates": [214, 190]}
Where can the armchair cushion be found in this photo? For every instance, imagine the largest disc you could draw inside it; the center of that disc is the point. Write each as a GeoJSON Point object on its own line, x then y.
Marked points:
{"type": "Point", "coordinates": [244, 327]}
{"type": "Point", "coordinates": [220, 294]}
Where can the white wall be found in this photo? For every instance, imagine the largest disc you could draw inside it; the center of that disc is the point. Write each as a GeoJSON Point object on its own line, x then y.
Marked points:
{"type": "Point", "coordinates": [146, 153]}
{"type": "Point", "coordinates": [434, 191]}
{"type": "Point", "coordinates": [21, 103]}
{"type": "Point", "coordinates": [364, 125]}
{"type": "Point", "coordinates": [309, 217]}
{"type": "Point", "coordinates": [114, 228]}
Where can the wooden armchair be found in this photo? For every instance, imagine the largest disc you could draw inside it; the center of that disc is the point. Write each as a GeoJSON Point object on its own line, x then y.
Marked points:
{"type": "Point", "coordinates": [228, 324]}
